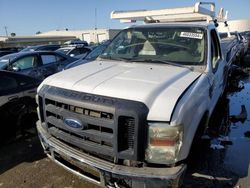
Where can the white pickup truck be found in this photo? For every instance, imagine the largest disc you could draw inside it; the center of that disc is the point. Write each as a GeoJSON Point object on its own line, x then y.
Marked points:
{"type": "Point", "coordinates": [129, 118]}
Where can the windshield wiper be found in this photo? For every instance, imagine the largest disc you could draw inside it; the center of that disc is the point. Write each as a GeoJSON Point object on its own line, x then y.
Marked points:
{"type": "Point", "coordinates": [145, 60]}
{"type": "Point", "coordinates": [115, 58]}
{"type": "Point", "coordinates": [163, 62]}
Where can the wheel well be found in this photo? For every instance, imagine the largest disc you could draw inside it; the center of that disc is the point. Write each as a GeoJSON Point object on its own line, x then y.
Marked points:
{"type": "Point", "coordinates": [203, 124]}
{"type": "Point", "coordinates": [196, 146]}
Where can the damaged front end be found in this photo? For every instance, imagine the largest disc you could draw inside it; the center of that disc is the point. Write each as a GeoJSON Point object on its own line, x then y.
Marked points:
{"type": "Point", "coordinates": [104, 139]}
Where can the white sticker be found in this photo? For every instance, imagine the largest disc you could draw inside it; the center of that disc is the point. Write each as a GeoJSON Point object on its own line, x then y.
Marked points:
{"type": "Point", "coordinates": [191, 35]}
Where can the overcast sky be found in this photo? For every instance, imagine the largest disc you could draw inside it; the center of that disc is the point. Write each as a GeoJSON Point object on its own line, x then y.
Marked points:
{"type": "Point", "coordinates": [26, 17]}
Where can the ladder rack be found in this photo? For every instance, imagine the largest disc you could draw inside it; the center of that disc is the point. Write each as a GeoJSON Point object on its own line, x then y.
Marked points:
{"type": "Point", "coordinates": [185, 14]}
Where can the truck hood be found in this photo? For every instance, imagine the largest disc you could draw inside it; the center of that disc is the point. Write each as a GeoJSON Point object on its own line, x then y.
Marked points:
{"type": "Point", "coordinates": [158, 86]}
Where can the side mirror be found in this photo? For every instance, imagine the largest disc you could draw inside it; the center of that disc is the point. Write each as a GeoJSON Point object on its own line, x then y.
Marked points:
{"type": "Point", "coordinates": [16, 69]}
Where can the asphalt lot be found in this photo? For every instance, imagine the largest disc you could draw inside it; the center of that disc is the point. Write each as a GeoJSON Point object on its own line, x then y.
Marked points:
{"type": "Point", "coordinates": [23, 163]}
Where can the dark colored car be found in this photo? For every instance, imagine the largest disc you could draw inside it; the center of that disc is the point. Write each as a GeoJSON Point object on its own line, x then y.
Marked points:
{"type": "Point", "coordinates": [90, 57]}
{"type": "Point", "coordinates": [3, 53]}
{"type": "Point", "coordinates": [49, 47]}
{"type": "Point", "coordinates": [247, 35]}
{"type": "Point", "coordinates": [13, 49]}
{"type": "Point", "coordinates": [17, 101]}
{"type": "Point", "coordinates": [241, 43]}
{"type": "Point", "coordinates": [75, 51]}
{"type": "Point", "coordinates": [77, 42]}
{"type": "Point", "coordinates": [39, 64]}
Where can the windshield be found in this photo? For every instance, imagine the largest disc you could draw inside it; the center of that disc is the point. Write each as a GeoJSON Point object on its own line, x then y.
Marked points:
{"type": "Point", "coordinates": [183, 46]}
{"type": "Point", "coordinates": [6, 59]}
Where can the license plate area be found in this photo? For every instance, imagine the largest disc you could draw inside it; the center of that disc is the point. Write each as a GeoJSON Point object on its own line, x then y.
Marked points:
{"type": "Point", "coordinates": [84, 169]}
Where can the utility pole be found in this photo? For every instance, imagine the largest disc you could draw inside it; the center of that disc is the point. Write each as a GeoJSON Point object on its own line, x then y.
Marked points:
{"type": "Point", "coordinates": [96, 38]}
{"type": "Point", "coordinates": [95, 18]}
{"type": "Point", "coordinates": [6, 31]}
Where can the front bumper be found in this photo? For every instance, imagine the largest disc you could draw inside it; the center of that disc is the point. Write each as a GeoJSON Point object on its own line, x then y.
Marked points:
{"type": "Point", "coordinates": [105, 173]}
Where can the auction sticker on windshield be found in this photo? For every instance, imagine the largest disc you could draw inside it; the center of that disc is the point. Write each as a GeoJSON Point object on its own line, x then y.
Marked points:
{"type": "Point", "coordinates": [191, 35]}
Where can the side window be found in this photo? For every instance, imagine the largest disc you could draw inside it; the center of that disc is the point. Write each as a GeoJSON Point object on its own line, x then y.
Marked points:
{"type": "Point", "coordinates": [47, 59]}
{"type": "Point", "coordinates": [75, 52]}
{"type": "Point", "coordinates": [8, 84]}
{"type": "Point", "coordinates": [215, 50]}
{"type": "Point", "coordinates": [60, 58]}
{"type": "Point", "coordinates": [84, 50]}
{"type": "Point", "coordinates": [25, 62]}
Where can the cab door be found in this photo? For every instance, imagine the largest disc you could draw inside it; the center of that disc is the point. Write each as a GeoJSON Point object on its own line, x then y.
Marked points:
{"type": "Point", "coordinates": [9, 89]}
{"type": "Point", "coordinates": [17, 99]}
{"type": "Point", "coordinates": [219, 69]}
{"type": "Point", "coordinates": [52, 63]}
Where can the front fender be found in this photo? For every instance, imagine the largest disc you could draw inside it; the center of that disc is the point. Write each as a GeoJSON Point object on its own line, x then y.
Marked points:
{"type": "Point", "coordinates": [189, 112]}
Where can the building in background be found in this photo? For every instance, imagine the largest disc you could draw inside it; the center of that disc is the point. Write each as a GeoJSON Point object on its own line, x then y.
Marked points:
{"type": "Point", "coordinates": [23, 41]}
{"type": "Point", "coordinates": [59, 37]}
{"type": "Point", "coordinates": [235, 25]}
{"type": "Point", "coordinates": [91, 36]}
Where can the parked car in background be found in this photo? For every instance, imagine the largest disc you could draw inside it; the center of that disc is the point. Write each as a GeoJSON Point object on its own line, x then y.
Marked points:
{"type": "Point", "coordinates": [37, 64]}
{"type": "Point", "coordinates": [13, 49]}
{"type": "Point", "coordinates": [241, 42]}
{"type": "Point", "coordinates": [76, 42]}
{"type": "Point", "coordinates": [3, 53]}
{"type": "Point", "coordinates": [74, 50]}
{"type": "Point", "coordinates": [247, 36]}
{"type": "Point", "coordinates": [17, 100]}
{"type": "Point", "coordinates": [245, 43]}
{"type": "Point", "coordinates": [98, 50]}
{"type": "Point", "coordinates": [9, 50]}
{"type": "Point", "coordinates": [233, 46]}
{"type": "Point", "coordinates": [48, 47]}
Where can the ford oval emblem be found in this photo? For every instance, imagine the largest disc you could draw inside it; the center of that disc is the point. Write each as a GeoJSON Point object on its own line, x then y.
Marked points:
{"type": "Point", "coordinates": [72, 123]}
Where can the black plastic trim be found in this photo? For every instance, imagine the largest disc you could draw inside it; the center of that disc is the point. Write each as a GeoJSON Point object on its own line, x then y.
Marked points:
{"type": "Point", "coordinates": [135, 110]}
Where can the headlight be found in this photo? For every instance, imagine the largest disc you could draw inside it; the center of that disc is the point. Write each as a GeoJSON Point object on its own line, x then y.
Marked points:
{"type": "Point", "coordinates": [164, 143]}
